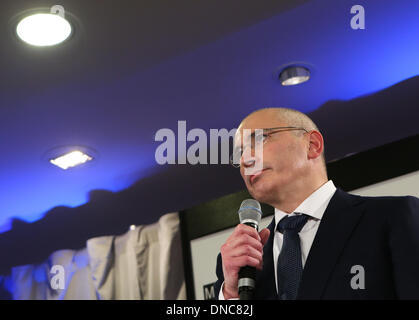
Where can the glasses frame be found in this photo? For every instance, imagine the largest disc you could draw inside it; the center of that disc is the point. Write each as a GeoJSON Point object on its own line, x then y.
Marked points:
{"type": "Point", "coordinates": [268, 132]}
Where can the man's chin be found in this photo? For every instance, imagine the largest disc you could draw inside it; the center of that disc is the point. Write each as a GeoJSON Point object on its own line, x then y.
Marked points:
{"type": "Point", "coordinates": [258, 193]}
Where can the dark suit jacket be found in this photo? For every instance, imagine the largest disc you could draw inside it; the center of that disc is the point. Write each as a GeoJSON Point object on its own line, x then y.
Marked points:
{"type": "Point", "coordinates": [381, 234]}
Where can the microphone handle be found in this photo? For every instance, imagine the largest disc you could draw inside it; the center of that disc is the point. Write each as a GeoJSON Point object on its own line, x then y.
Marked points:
{"type": "Point", "coordinates": [247, 276]}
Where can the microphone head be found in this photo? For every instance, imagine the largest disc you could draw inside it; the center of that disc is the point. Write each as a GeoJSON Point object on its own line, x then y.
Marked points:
{"type": "Point", "coordinates": [250, 211]}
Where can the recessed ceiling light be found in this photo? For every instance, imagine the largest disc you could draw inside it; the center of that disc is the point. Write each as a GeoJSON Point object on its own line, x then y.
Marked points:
{"type": "Point", "coordinates": [71, 159]}
{"type": "Point", "coordinates": [43, 29]}
{"type": "Point", "coordinates": [294, 75]}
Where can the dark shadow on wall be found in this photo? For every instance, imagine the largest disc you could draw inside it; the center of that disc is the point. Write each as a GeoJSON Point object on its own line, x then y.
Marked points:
{"type": "Point", "coordinates": [348, 127]}
{"type": "Point", "coordinates": [107, 213]}
{"type": "Point", "coordinates": [366, 122]}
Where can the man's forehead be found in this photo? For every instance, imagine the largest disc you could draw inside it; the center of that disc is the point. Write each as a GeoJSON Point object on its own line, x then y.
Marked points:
{"type": "Point", "coordinates": [262, 121]}
{"type": "Point", "coordinates": [259, 120]}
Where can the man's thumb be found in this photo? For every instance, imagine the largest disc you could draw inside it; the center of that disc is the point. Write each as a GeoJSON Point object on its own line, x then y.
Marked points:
{"type": "Point", "coordinates": [264, 235]}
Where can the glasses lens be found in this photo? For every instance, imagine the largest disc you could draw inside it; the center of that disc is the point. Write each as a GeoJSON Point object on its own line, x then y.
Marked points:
{"type": "Point", "coordinates": [236, 157]}
{"type": "Point", "coordinates": [253, 141]}
{"type": "Point", "coordinates": [259, 138]}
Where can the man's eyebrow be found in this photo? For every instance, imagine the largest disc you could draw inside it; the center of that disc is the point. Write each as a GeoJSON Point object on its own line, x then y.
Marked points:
{"type": "Point", "coordinates": [252, 135]}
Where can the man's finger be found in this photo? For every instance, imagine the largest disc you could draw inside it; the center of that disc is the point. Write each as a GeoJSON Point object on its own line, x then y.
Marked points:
{"type": "Point", "coordinates": [244, 240]}
{"type": "Point", "coordinates": [244, 229]}
{"type": "Point", "coordinates": [264, 235]}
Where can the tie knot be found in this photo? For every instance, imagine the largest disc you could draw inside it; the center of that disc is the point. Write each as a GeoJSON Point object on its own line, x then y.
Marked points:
{"type": "Point", "coordinates": [294, 223]}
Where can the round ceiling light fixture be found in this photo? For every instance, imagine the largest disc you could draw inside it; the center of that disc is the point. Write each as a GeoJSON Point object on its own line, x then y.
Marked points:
{"type": "Point", "coordinates": [293, 75]}
{"type": "Point", "coordinates": [44, 29]}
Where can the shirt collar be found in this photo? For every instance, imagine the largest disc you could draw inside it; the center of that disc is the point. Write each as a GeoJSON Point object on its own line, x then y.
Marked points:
{"type": "Point", "coordinates": [314, 206]}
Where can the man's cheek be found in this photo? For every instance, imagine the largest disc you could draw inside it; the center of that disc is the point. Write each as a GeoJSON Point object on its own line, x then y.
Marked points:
{"type": "Point", "coordinates": [242, 174]}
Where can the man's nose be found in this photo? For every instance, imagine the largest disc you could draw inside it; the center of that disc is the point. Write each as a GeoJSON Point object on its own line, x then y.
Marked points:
{"type": "Point", "coordinates": [249, 162]}
{"type": "Point", "coordinates": [248, 158]}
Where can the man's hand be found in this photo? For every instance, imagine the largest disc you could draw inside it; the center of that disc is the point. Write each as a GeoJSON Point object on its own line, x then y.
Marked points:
{"type": "Point", "coordinates": [244, 247]}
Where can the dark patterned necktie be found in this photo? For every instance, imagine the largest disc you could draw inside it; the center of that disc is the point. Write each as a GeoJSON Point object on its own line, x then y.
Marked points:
{"type": "Point", "coordinates": [290, 267]}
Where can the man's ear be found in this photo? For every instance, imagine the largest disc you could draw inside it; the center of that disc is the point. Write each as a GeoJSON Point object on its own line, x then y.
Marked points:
{"type": "Point", "coordinates": [316, 144]}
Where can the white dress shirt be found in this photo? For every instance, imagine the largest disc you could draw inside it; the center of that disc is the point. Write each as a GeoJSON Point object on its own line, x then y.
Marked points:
{"type": "Point", "coordinates": [314, 206]}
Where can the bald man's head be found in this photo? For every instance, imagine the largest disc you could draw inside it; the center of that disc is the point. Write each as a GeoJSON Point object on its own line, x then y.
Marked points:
{"type": "Point", "coordinates": [288, 117]}
{"type": "Point", "coordinates": [291, 117]}
{"type": "Point", "coordinates": [292, 159]}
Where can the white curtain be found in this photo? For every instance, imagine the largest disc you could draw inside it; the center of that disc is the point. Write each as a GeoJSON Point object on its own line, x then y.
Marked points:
{"type": "Point", "coordinates": [144, 263]}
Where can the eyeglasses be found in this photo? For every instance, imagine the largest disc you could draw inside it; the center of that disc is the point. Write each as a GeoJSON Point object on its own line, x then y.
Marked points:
{"type": "Point", "coordinates": [256, 139]}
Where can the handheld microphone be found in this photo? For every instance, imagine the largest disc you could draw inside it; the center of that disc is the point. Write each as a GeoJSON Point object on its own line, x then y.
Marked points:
{"type": "Point", "coordinates": [250, 214]}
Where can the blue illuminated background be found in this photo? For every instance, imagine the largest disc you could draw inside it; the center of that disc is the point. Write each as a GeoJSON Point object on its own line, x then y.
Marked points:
{"type": "Point", "coordinates": [210, 86]}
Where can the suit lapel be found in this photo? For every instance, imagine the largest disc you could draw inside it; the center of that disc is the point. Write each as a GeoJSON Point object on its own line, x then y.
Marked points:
{"type": "Point", "coordinates": [265, 279]}
{"type": "Point", "coordinates": [338, 221]}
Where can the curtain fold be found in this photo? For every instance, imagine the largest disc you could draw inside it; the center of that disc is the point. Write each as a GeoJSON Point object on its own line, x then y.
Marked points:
{"type": "Point", "coordinates": [142, 264]}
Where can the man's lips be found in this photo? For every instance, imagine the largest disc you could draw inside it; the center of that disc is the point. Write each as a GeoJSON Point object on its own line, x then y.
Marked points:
{"type": "Point", "coordinates": [257, 174]}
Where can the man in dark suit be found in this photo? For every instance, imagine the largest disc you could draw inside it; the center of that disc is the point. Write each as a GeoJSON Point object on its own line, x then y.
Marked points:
{"type": "Point", "coordinates": [323, 243]}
